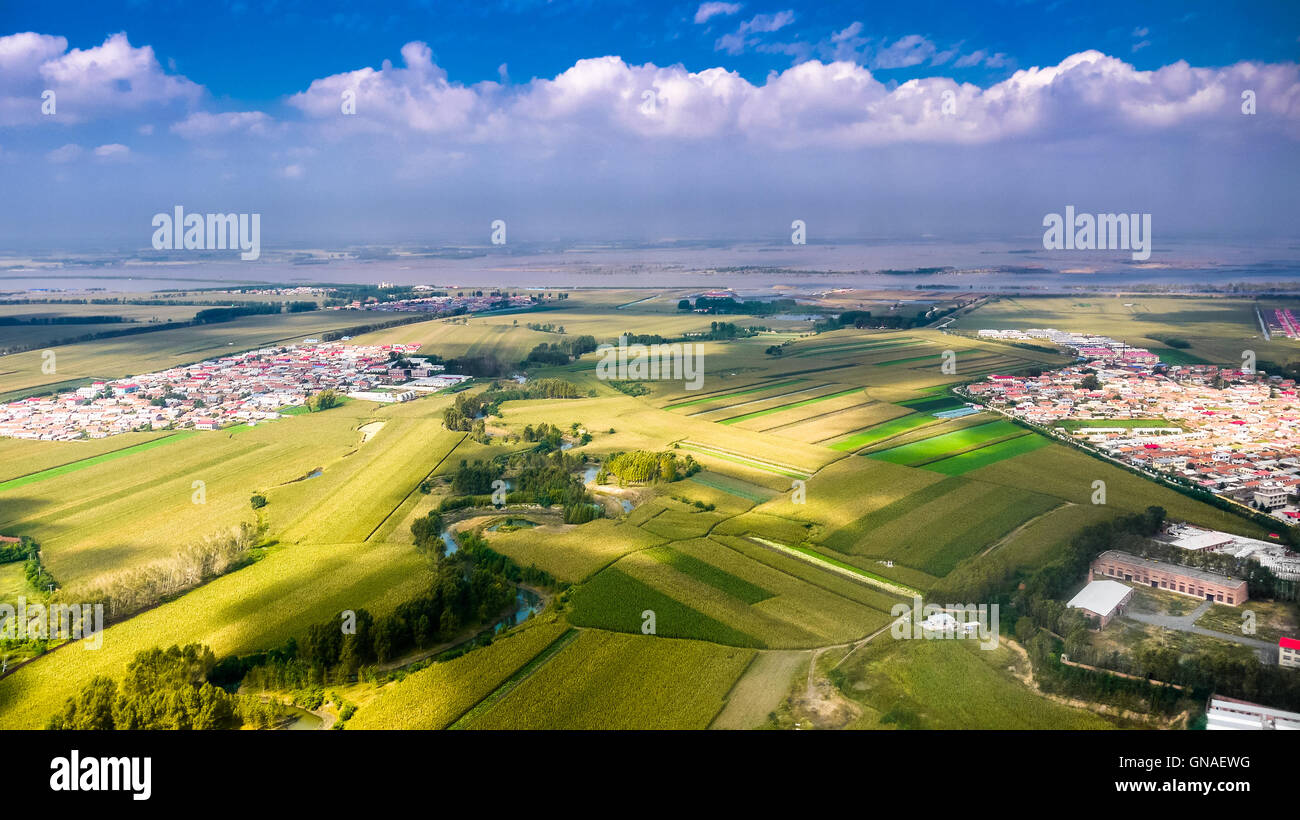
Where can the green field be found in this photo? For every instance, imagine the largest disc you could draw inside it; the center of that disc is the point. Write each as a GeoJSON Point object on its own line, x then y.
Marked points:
{"type": "Point", "coordinates": [437, 696]}
{"type": "Point", "coordinates": [984, 456]}
{"type": "Point", "coordinates": [64, 469]}
{"type": "Point", "coordinates": [609, 681]}
{"type": "Point", "coordinates": [937, 447]}
{"type": "Point", "coordinates": [731, 395]}
{"type": "Point", "coordinates": [880, 432]}
{"type": "Point", "coordinates": [788, 543]}
{"type": "Point", "coordinates": [950, 684]}
{"type": "Point", "coordinates": [804, 403]}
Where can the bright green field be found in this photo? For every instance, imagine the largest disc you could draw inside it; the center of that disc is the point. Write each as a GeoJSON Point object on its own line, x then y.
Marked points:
{"type": "Point", "coordinates": [965, 462]}
{"type": "Point", "coordinates": [880, 432]}
{"type": "Point", "coordinates": [936, 447]}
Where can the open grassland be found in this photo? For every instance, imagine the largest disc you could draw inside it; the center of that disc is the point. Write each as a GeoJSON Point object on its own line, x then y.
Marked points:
{"type": "Point", "coordinates": [13, 583]}
{"type": "Point", "coordinates": [436, 696]}
{"type": "Point", "coordinates": [254, 608]}
{"type": "Point", "coordinates": [949, 684]}
{"type": "Point", "coordinates": [610, 681]}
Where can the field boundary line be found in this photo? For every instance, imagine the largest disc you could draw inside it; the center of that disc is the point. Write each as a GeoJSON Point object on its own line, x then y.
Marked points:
{"type": "Point", "coordinates": [407, 497]}
{"type": "Point", "coordinates": [830, 564]}
{"type": "Point", "coordinates": [523, 673]}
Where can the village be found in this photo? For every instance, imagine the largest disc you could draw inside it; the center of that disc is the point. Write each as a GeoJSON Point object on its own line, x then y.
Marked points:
{"type": "Point", "coordinates": [247, 388]}
{"type": "Point", "coordinates": [1230, 432]}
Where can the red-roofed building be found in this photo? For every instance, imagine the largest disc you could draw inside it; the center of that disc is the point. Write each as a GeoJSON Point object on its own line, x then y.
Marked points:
{"type": "Point", "coordinates": [1288, 652]}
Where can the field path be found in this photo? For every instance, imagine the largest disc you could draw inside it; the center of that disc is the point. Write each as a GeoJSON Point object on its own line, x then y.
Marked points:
{"type": "Point", "coordinates": [1004, 539]}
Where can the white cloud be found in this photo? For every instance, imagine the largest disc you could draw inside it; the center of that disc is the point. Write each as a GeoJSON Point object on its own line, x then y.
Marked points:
{"type": "Point", "coordinates": [113, 150]}
{"type": "Point", "coordinates": [202, 124]}
{"type": "Point", "coordinates": [64, 154]}
{"type": "Point", "coordinates": [106, 80]}
{"type": "Point", "coordinates": [740, 39]}
{"type": "Point", "coordinates": [709, 10]}
{"type": "Point", "coordinates": [837, 103]}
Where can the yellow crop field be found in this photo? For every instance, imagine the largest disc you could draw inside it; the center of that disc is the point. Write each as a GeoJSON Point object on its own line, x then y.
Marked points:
{"type": "Point", "coordinates": [254, 608]}
{"type": "Point", "coordinates": [606, 680]}
{"type": "Point", "coordinates": [434, 697]}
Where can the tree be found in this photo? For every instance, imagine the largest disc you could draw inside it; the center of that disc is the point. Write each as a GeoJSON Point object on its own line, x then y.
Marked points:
{"type": "Point", "coordinates": [258, 501]}
{"type": "Point", "coordinates": [324, 400]}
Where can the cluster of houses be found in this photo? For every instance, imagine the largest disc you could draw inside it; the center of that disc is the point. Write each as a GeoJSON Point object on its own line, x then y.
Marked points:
{"type": "Point", "coordinates": [1233, 433]}
{"type": "Point", "coordinates": [1086, 345]}
{"type": "Point", "coordinates": [244, 388]}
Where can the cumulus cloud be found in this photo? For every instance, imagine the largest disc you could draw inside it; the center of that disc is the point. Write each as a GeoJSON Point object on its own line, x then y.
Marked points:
{"type": "Point", "coordinates": [107, 80]}
{"type": "Point", "coordinates": [706, 11]}
{"type": "Point", "coordinates": [840, 133]}
{"type": "Point", "coordinates": [839, 103]}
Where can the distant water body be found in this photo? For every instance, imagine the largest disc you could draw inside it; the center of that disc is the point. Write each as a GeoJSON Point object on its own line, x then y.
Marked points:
{"type": "Point", "coordinates": [748, 267]}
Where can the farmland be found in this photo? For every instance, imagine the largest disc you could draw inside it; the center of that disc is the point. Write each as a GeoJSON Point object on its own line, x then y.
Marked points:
{"type": "Point", "coordinates": [825, 492]}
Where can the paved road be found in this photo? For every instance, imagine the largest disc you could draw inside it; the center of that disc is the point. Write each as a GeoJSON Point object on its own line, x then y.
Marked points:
{"type": "Point", "coordinates": [1187, 623]}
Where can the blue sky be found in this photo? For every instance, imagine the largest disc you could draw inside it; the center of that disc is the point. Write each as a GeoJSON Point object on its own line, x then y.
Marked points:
{"type": "Point", "coordinates": [905, 119]}
{"type": "Point", "coordinates": [257, 52]}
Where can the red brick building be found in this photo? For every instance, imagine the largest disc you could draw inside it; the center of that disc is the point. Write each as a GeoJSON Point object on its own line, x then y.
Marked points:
{"type": "Point", "coordinates": [1198, 583]}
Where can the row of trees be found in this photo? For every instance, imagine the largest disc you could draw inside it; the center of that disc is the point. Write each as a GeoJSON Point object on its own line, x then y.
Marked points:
{"type": "Point", "coordinates": [130, 590]}
{"type": "Point", "coordinates": [469, 406]}
{"type": "Point", "coordinates": [642, 466]}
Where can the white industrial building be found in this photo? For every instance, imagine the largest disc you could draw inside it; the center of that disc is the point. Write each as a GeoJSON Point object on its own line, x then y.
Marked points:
{"type": "Point", "coordinates": [1102, 600]}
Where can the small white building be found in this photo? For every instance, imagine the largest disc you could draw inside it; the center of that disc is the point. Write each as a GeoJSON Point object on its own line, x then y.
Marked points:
{"type": "Point", "coordinates": [1102, 600]}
